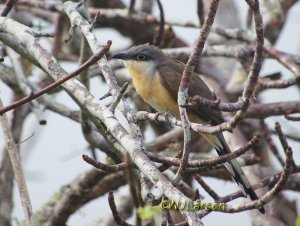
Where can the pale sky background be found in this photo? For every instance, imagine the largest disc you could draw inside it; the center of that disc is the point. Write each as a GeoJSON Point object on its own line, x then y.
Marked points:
{"type": "Point", "coordinates": [52, 157]}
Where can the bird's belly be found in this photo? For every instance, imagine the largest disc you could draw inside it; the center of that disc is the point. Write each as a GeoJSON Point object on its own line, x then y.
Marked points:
{"type": "Point", "coordinates": [152, 92]}
{"type": "Point", "coordinates": [158, 98]}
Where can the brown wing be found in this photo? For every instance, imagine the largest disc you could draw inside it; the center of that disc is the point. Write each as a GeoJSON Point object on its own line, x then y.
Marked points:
{"type": "Point", "coordinates": [171, 80]}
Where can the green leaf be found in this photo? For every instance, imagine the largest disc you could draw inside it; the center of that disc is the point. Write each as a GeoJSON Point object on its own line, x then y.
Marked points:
{"type": "Point", "coordinates": [297, 221]}
{"type": "Point", "coordinates": [148, 212]}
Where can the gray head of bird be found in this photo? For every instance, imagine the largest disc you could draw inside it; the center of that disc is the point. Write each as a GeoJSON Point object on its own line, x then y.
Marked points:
{"type": "Point", "coordinates": [141, 58]}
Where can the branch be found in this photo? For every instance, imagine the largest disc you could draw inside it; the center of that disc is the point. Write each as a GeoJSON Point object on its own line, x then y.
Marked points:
{"type": "Point", "coordinates": [23, 84]}
{"type": "Point", "coordinates": [7, 7]}
{"type": "Point", "coordinates": [112, 205]}
{"type": "Point", "coordinates": [33, 96]}
{"type": "Point", "coordinates": [185, 80]}
{"type": "Point", "coordinates": [6, 170]}
{"type": "Point", "coordinates": [118, 97]}
{"type": "Point", "coordinates": [160, 33]}
{"type": "Point", "coordinates": [131, 6]}
{"type": "Point", "coordinates": [99, 165]}
{"type": "Point", "coordinates": [270, 142]}
{"type": "Point", "coordinates": [267, 181]}
{"type": "Point", "coordinates": [273, 109]}
{"type": "Point", "coordinates": [270, 195]}
{"type": "Point", "coordinates": [13, 152]}
{"type": "Point", "coordinates": [283, 140]}
{"type": "Point", "coordinates": [292, 118]}
{"type": "Point", "coordinates": [205, 162]}
{"type": "Point", "coordinates": [1, 53]}
{"type": "Point", "coordinates": [132, 186]}
{"type": "Point", "coordinates": [205, 186]}
{"type": "Point", "coordinates": [88, 186]}
{"type": "Point", "coordinates": [200, 11]}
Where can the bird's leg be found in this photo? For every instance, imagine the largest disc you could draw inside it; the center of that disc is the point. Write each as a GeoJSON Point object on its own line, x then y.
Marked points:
{"type": "Point", "coordinates": [157, 114]}
{"type": "Point", "coordinates": [167, 116]}
{"type": "Point", "coordinates": [105, 96]}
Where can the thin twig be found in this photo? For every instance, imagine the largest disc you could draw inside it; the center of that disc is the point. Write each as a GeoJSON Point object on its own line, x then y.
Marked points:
{"type": "Point", "coordinates": [70, 34]}
{"type": "Point", "coordinates": [7, 7]}
{"type": "Point", "coordinates": [39, 34]}
{"type": "Point", "coordinates": [105, 96]}
{"type": "Point", "coordinates": [131, 6]}
{"type": "Point", "coordinates": [269, 196]}
{"type": "Point", "coordinates": [99, 165]}
{"type": "Point", "coordinates": [270, 142]}
{"type": "Point", "coordinates": [1, 52]}
{"type": "Point", "coordinates": [249, 19]}
{"type": "Point", "coordinates": [289, 136]}
{"type": "Point", "coordinates": [119, 220]}
{"type": "Point", "coordinates": [292, 118]}
{"type": "Point", "coordinates": [282, 139]}
{"type": "Point", "coordinates": [284, 59]}
{"type": "Point", "coordinates": [205, 186]}
{"type": "Point", "coordinates": [95, 21]}
{"type": "Point", "coordinates": [33, 96]}
{"type": "Point", "coordinates": [26, 139]}
{"type": "Point", "coordinates": [160, 33]}
{"type": "Point", "coordinates": [205, 162]}
{"type": "Point", "coordinates": [282, 181]}
{"type": "Point", "coordinates": [216, 104]}
{"type": "Point", "coordinates": [200, 12]}
{"type": "Point", "coordinates": [132, 186]}
{"type": "Point", "coordinates": [166, 166]}
{"type": "Point", "coordinates": [58, 32]}
{"type": "Point", "coordinates": [185, 80]}
{"type": "Point", "coordinates": [118, 97]}
{"type": "Point", "coordinates": [267, 181]}
{"type": "Point", "coordinates": [196, 195]}
{"type": "Point", "coordinates": [24, 86]}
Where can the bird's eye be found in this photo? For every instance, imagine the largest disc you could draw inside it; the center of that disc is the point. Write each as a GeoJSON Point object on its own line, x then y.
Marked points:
{"type": "Point", "coordinates": [140, 57]}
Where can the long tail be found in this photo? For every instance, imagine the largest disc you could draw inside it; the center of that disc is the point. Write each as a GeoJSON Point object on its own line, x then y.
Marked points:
{"type": "Point", "coordinates": [236, 171]}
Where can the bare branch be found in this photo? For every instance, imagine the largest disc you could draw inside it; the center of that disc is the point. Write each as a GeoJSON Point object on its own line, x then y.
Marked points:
{"type": "Point", "coordinates": [104, 167]}
{"type": "Point", "coordinates": [13, 152]}
{"type": "Point", "coordinates": [205, 162]}
{"type": "Point", "coordinates": [112, 205]}
{"type": "Point", "coordinates": [118, 97]}
{"type": "Point", "coordinates": [132, 186]}
{"type": "Point", "coordinates": [7, 7]}
{"type": "Point", "coordinates": [160, 33]}
{"type": "Point", "coordinates": [185, 80]}
{"type": "Point", "coordinates": [205, 186]}
{"type": "Point", "coordinates": [270, 142]}
{"type": "Point", "coordinates": [33, 96]}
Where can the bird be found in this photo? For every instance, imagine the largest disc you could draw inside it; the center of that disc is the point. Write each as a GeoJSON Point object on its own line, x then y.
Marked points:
{"type": "Point", "coordinates": [156, 78]}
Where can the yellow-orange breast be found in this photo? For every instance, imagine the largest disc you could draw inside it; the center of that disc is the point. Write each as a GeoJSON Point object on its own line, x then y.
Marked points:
{"type": "Point", "coordinates": [148, 85]}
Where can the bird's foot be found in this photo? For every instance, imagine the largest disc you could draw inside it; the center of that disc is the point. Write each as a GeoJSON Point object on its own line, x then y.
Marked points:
{"type": "Point", "coordinates": [168, 116]}
{"type": "Point", "coordinates": [157, 114]}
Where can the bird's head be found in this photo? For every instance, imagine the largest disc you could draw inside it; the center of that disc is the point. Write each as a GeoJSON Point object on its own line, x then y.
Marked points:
{"type": "Point", "coordinates": [143, 58]}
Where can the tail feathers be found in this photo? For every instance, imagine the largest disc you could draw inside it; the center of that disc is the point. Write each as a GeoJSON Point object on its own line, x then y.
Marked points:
{"type": "Point", "coordinates": [240, 178]}
{"type": "Point", "coordinates": [237, 173]}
